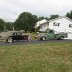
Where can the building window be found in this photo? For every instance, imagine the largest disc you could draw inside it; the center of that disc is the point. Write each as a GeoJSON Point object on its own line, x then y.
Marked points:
{"type": "Point", "coordinates": [40, 26]}
{"type": "Point", "coordinates": [56, 24]}
{"type": "Point", "coordinates": [70, 25]}
{"type": "Point", "coordinates": [45, 24]}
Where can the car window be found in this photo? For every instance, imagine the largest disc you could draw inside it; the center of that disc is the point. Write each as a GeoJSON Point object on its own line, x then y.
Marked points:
{"type": "Point", "coordinates": [51, 31]}
{"type": "Point", "coordinates": [19, 33]}
{"type": "Point", "coordinates": [14, 34]}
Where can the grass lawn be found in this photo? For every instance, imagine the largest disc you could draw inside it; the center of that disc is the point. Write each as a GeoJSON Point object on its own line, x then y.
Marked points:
{"type": "Point", "coordinates": [46, 57]}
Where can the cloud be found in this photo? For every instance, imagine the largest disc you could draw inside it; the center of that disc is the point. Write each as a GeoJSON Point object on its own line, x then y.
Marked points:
{"type": "Point", "coordinates": [10, 9]}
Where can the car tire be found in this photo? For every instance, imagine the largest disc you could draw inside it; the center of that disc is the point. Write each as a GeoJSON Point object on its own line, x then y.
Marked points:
{"type": "Point", "coordinates": [43, 38]}
{"type": "Point", "coordinates": [10, 40]}
{"type": "Point", "coordinates": [29, 38]}
{"type": "Point", "coordinates": [61, 38]}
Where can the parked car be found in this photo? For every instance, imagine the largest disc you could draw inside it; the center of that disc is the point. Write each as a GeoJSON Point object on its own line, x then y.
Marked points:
{"type": "Point", "coordinates": [15, 35]}
{"type": "Point", "coordinates": [51, 35]}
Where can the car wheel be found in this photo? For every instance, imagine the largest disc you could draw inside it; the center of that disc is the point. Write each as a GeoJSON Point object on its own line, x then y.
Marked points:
{"type": "Point", "coordinates": [61, 38]}
{"type": "Point", "coordinates": [10, 40]}
{"type": "Point", "coordinates": [43, 38]}
{"type": "Point", "coordinates": [29, 38]}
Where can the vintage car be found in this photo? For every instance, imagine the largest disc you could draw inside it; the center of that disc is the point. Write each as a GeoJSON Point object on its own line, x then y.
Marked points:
{"type": "Point", "coordinates": [51, 35]}
{"type": "Point", "coordinates": [16, 36]}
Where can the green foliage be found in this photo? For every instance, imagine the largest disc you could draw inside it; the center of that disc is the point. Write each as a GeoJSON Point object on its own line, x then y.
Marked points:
{"type": "Point", "coordinates": [9, 25]}
{"type": "Point", "coordinates": [41, 18]}
{"type": "Point", "coordinates": [37, 29]}
{"type": "Point", "coordinates": [45, 57]}
{"type": "Point", "coordinates": [54, 16]}
{"type": "Point", "coordinates": [69, 15]}
{"type": "Point", "coordinates": [4, 26]}
{"type": "Point", "coordinates": [26, 21]}
{"type": "Point", "coordinates": [1, 25]}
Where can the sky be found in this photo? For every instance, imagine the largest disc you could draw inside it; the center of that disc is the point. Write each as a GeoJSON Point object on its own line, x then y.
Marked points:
{"type": "Point", "coordinates": [11, 9]}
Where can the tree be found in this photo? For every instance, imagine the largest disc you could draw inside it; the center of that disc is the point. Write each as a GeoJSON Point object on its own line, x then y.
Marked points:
{"type": "Point", "coordinates": [26, 21]}
{"type": "Point", "coordinates": [9, 25]}
{"type": "Point", "coordinates": [2, 25]}
{"type": "Point", "coordinates": [41, 18]}
{"type": "Point", "coordinates": [69, 14]}
{"type": "Point", "coordinates": [37, 29]}
{"type": "Point", "coordinates": [53, 16]}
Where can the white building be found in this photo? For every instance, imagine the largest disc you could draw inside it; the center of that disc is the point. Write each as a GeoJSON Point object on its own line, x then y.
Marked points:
{"type": "Point", "coordinates": [40, 22]}
{"type": "Point", "coordinates": [61, 24]}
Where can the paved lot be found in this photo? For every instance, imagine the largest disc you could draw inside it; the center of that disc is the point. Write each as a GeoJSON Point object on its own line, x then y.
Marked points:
{"type": "Point", "coordinates": [31, 42]}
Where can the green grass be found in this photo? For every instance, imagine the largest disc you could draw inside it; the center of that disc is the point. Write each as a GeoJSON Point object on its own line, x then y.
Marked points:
{"type": "Point", "coordinates": [47, 57]}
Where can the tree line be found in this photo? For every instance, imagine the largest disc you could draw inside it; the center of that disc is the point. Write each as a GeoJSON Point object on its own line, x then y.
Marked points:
{"type": "Point", "coordinates": [26, 21]}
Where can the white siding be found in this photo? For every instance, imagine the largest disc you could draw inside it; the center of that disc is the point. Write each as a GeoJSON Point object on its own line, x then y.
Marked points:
{"type": "Point", "coordinates": [40, 22]}
{"type": "Point", "coordinates": [63, 27]}
{"type": "Point", "coordinates": [43, 27]}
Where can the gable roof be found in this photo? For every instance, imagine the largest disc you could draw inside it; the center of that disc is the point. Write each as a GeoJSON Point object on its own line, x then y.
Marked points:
{"type": "Point", "coordinates": [40, 22]}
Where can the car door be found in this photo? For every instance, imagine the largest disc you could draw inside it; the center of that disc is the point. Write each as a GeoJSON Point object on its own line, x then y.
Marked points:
{"type": "Point", "coordinates": [15, 36]}
{"type": "Point", "coordinates": [51, 34]}
{"type": "Point", "coordinates": [19, 36]}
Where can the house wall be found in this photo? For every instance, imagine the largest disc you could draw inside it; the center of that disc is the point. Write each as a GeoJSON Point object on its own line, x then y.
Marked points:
{"type": "Point", "coordinates": [63, 26]}
{"type": "Point", "coordinates": [40, 22]}
{"type": "Point", "coordinates": [43, 27]}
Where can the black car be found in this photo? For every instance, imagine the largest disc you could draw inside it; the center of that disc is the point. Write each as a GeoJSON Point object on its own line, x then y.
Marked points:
{"type": "Point", "coordinates": [18, 36]}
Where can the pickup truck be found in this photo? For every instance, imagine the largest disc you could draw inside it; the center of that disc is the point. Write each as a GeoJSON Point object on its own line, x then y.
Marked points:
{"type": "Point", "coordinates": [15, 36]}
{"type": "Point", "coordinates": [51, 35]}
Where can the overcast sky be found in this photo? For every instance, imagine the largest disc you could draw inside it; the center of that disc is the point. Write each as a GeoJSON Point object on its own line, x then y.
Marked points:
{"type": "Point", "coordinates": [10, 9]}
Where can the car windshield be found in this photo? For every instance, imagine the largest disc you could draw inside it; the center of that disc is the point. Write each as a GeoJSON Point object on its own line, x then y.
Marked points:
{"type": "Point", "coordinates": [17, 33]}
{"type": "Point", "coordinates": [51, 31]}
